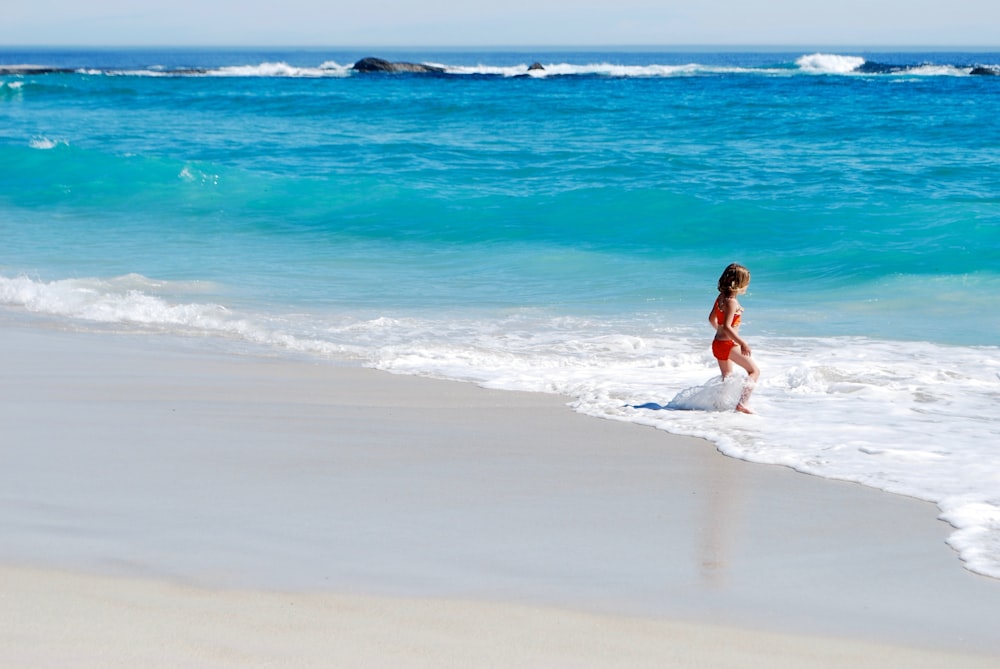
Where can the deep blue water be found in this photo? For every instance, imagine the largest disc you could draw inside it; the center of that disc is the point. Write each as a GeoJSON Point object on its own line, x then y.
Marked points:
{"type": "Point", "coordinates": [821, 183]}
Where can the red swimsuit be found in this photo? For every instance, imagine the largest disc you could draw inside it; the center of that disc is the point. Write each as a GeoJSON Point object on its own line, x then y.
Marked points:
{"type": "Point", "coordinates": [722, 347]}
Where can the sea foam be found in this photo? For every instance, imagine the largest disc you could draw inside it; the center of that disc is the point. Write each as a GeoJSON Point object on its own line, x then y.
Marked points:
{"type": "Point", "coordinates": [280, 69]}
{"type": "Point", "coordinates": [45, 143]}
{"type": "Point", "coordinates": [825, 63]}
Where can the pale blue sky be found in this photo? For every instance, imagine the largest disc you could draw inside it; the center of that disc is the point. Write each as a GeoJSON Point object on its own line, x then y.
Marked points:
{"type": "Point", "coordinates": [500, 22]}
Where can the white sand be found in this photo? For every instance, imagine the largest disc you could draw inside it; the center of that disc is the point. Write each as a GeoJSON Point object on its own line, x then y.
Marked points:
{"type": "Point", "coordinates": [53, 619]}
{"type": "Point", "coordinates": [164, 506]}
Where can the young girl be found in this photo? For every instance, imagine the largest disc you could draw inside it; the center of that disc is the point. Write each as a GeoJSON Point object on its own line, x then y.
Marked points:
{"type": "Point", "coordinates": [728, 346]}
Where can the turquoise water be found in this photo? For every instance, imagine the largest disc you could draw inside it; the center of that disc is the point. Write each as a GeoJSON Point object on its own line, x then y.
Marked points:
{"type": "Point", "coordinates": [560, 232]}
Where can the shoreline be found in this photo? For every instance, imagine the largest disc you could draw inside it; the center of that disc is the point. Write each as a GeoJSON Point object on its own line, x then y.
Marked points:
{"type": "Point", "coordinates": [140, 464]}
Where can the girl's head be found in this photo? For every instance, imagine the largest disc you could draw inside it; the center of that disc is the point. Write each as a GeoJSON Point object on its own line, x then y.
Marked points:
{"type": "Point", "coordinates": [734, 279]}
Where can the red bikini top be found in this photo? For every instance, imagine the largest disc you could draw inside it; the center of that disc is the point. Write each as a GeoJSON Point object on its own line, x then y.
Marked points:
{"type": "Point", "coordinates": [720, 314]}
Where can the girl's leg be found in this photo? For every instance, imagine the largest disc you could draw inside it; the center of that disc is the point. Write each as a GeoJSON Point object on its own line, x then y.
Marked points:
{"type": "Point", "coordinates": [753, 371]}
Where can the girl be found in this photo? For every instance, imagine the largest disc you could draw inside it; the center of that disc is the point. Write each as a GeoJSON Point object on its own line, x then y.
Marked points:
{"type": "Point", "coordinates": [728, 346]}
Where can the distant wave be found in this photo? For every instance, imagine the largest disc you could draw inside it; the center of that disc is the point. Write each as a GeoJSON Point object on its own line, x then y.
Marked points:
{"type": "Point", "coordinates": [816, 63]}
{"type": "Point", "coordinates": [825, 63]}
{"type": "Point", "coordinates": [45, 143]}
{"type": "Point", "coordinates": [267, 69]}
{"type": "Point", "coordinates": [134, 303]}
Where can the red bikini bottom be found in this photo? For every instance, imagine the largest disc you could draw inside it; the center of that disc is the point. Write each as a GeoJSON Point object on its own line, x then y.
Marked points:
{"type": "Point", "coordinates": [722, 347]}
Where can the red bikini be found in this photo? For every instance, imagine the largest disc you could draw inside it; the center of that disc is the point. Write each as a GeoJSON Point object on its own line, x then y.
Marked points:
{"type": "Point", "coordinates": [722, 347]}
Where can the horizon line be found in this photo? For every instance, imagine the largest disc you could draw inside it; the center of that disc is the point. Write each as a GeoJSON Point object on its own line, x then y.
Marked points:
{"type": "Point", "coordinates": [520, 47]}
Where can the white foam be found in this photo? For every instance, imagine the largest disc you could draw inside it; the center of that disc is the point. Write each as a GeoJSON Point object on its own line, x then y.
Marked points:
{"type": "Point", "coordinates": [331, 67]}
{"type": "Point", "coordinates": [120, 300]}
{"type": "Point", "coordinates": [45, 143]}
{"type": "Point", "coordinates": [717, 394]}
{"type": "Point", "coordinates": [133, 301]}
{"type": "Point", "coordinates": [825, 63]}
{"type": "Point", "coordinates": [937, 71]}
{"type": "Point", "coordinates": [151, 72]}
{"type": "Point", "coordinates": [267, 69]}
{"type": "Point", "coordinates": [280, 69]}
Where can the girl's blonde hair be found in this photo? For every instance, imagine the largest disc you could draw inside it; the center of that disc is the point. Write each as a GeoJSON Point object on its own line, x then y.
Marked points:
{"type": "Point", "coordinates": [734, 278]}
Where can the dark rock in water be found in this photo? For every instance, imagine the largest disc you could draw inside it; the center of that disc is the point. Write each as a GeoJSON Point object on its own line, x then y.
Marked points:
{"type": "Point", "coordinates": [34, 69]}
{"type": "Point", "coordinates": [535, 66]}
{"type": "Point", "coordinates": [983, 70]}
{"type": "Point", "coordinates": [380, 65]}
{"type": "Point", "coordinates": [869, 67]}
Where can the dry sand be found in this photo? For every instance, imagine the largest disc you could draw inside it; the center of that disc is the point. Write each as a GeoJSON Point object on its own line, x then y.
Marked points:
{"type": "Point", "coordinates": [54, 619]}
{"type": "Point", "coordinates": [167, 506]}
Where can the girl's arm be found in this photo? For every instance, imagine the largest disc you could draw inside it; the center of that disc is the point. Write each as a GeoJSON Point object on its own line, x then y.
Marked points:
{"type": "Point", "coordinates": [730, 309]}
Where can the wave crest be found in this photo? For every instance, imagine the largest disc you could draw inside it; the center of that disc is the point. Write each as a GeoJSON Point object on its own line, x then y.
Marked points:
{"type": "Point", "coordinates": [45, 143]}
{"type": "Point", "coordinates": [826, 63]}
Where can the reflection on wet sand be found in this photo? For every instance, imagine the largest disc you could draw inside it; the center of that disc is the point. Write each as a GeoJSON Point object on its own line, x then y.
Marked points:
{"type": "Point", "coordinates": [720, 513]}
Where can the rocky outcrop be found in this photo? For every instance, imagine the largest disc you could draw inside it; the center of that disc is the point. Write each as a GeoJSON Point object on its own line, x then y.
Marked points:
{"type": "Point", "coordinates": [34, 69]}
{"type": "Point", "coordinates": [535, 66]}
{"type": "Point", "coordinates": [380, 65]}
{"type": "Point", "coordinates": [983, 70]}
{"type": "Point", "coordinates": [869, 67]}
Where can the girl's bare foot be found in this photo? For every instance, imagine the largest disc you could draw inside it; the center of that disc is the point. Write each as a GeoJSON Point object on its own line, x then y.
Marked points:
{"type": "Point", "coordinates": [743, 409]}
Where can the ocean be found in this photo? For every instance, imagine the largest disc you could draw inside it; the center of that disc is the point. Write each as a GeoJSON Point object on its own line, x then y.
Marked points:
{"type": "Point", "coordinates": [557, 230]}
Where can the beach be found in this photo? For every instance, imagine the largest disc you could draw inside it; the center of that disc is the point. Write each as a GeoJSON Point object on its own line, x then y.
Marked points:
{"type": "Point", "coordinates": [417, 225]}
{"type": "Point", "coordinates": [167, 504]}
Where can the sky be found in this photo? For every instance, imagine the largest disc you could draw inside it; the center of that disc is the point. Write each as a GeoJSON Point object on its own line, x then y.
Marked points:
{"type": "Point", "coordinates": [477, 23]}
